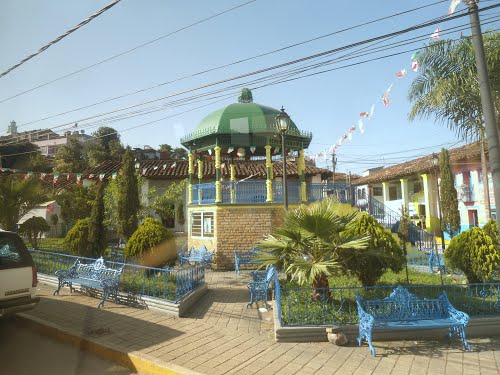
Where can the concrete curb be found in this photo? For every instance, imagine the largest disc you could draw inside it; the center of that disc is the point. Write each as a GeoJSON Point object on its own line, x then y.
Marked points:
{"type": "Point", "coordinates": [136, 361]}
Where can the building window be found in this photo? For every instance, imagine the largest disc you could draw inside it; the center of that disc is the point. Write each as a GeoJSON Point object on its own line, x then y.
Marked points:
{"type": "Point", "coordinates": [377, 191]}
{"type": "Point", "coordinates": [394, 193]}
{"type": "Point", "coordinates": [417, 187]}
{"type": "Point", "coordinates": [202, 224]}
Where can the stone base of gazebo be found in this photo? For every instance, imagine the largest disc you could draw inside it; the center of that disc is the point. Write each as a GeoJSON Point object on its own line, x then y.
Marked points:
{"type": "Point", "coordinates": [229, 228]}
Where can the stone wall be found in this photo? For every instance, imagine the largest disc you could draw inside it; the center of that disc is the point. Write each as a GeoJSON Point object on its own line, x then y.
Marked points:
{"type": "Point", "coordinates": [237, 228]}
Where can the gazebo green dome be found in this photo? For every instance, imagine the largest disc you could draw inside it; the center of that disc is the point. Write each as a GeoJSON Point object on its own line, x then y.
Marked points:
{"type": "Point", "coordinates": [244, 124]}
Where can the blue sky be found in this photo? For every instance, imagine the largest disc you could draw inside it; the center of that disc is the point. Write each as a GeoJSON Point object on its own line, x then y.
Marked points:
{"type": "Point", "coordinates": [326, 104]}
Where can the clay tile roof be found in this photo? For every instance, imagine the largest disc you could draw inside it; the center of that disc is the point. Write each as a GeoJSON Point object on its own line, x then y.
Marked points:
{"type": "Point", "coordinates": [178, 169]}
{"type": "Point", "coordinates": [420, 165]}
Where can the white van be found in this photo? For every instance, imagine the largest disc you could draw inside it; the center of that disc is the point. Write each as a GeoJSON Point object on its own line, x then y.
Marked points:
{"type": "Point", "coordinates": [18, 278]}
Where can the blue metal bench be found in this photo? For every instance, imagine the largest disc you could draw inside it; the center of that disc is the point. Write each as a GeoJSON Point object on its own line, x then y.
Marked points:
{"type": "Point", "coordinates": [260, 285]}
{"type": "Point", "coordinates": [436, 260]}
{"type": "Point", "coordinates": [403, 310]}
{"type": "Point", "coordinates": [93, 275]}
{"type": "Point", "coordinates": [182, 253]}
{"type": "Point", "coordinates": [246, 257]}
{"type": "Point", "coordinates": [201, 255]}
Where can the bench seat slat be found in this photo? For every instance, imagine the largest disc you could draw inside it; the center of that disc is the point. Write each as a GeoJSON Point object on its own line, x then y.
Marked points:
{"type": "Point", "coordinates": [417, 323]}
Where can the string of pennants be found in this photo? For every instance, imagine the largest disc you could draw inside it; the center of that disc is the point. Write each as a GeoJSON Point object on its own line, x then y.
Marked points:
{"type": "Point", "coordinates": [364, 116]}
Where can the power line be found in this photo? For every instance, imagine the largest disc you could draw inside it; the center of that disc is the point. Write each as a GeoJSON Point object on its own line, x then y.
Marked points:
{"type": "Point", "coordinates": [186, 100]}
{"type": "Point", "coordinates": [318, 55]}
{"type": "Point", "coordinates": [60, 37]}
{"type": "Point", "coordinates": [207, 70]}
{"type": "Point", "coordinates": [127, 51]}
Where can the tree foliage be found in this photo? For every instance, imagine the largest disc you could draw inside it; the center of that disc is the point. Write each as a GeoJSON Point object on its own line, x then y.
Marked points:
{"type": "Point", "coordinates": [173, 153]}
{"type": "Point", "coordinates": [71, 157]}
{"type": "Point", "coordinates": [76, 203]}
{"type": "Point", "coordinates": [491, 229]}
{"type": "Point", "coordinates": [153, 243]}
{"type": "Point", "coordinates": [382, 253]}
{"type": "Point", "coordinates": [474, 253]}
{"type": "Point", "coordinates": [447, 87]}
{"type": "Point", "coordinates": [76, 241]}
{"type": "Point", "coordinates": [450, 216]}
{"type": "Point", "coordinates": [128, 203]}
{"type": "Point", "coordinates": [97, 231]}
{"type": "Point", "coordinates": [308, 245]}
{"type": "Point", "coordinates": [165, 204]}
{"type": "Point", "coordinates": [106, 145]}
{"type": "Point", "coordinates": [33, 228]}
{"type": "Point", "coordinates": [17, 198]}
{"type": "Point", "coordinates": [17, 155]}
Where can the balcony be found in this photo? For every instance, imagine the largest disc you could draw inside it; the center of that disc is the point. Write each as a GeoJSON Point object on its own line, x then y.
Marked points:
{"type": "Point", "coordinates": [465, 193]}
{"type": "Point", "coordinates": [255, 192]}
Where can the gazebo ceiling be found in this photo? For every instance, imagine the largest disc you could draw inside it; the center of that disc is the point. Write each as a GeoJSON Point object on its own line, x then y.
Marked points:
{"type": "Point", "coordinates": [244, 125]}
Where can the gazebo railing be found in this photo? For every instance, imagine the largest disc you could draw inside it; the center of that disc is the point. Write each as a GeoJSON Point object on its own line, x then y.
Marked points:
{"type": "Point", "coordinates": [255, 192]}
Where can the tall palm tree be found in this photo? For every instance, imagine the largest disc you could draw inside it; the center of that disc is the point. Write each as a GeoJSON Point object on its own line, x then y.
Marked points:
{"type": "Point", "coordinates": [307, 246]}
{"type": "Point", "coordinates": [447, 89]}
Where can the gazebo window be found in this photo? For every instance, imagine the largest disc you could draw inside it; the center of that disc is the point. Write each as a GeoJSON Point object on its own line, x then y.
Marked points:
{"type": "Point", "coordinates": [202, 224]}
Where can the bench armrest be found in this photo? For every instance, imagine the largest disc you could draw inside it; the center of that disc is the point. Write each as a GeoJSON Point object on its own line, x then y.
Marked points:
{"type": "Point", "coordinates": [457, 315]}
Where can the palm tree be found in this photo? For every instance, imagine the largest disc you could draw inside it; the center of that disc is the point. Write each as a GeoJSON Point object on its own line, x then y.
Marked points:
{"type": "Point", "coordinates": [307, 246]}
{"type": "Point", "coordinates": [447, 89]}
{"type": "Point", "coordinates": [17, 197]}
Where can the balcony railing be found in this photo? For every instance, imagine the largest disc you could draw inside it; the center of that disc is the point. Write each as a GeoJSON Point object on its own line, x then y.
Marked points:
{"type": "Point", "coordinates": [465, 193]}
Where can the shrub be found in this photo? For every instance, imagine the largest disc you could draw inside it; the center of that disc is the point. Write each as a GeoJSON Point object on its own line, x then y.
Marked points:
{"type": "Point", "coordinates": [33, 229]}
{"type": "Point", "coordinates": [382, 253]}
{"type": "Point", "coordinates": [76, 241]}
{"type": "Point", "coordinates": [475, 253]}
{"type": "Point", "coordinates": [152, 243]}
{"type": "Point", "coordinates": [491, 229]}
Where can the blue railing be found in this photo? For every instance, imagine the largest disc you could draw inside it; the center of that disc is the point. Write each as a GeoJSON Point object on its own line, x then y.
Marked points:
{"type": "Point", "coordinates": [336, 306]}
{"type": "Point", "coordinates": [207, 191]}
{"type": "Point", "coordinates": [166, 284]}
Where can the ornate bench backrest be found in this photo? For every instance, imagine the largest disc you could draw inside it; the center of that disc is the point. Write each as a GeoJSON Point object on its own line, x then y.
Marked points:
{"type": "Point", "coordinates": [96, 271]}
{"type": "Point", "coordinates": [402, 305]}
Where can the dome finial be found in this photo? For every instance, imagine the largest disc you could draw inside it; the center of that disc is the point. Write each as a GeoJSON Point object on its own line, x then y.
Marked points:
{"type": "Point", "coordinates": [245, 96]}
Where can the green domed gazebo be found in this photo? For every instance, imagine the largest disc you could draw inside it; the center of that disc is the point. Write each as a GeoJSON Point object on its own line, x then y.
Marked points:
{"type": "Point", "coordinates": [242, 130]}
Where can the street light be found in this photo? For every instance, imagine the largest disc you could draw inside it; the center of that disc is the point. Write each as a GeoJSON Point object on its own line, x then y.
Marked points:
{"type": "Point", "coordinates": [435, 162]}
{"type": "Point", "coordinates": [282, 123]}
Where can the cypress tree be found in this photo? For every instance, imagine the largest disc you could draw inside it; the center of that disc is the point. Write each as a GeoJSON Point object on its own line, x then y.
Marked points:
{"type": "Point", "coordinates": [128, 197]}
{"type": "Point", "coordinates": [450, 216]}
{"type": "Point", "coordinates": [97, 232]}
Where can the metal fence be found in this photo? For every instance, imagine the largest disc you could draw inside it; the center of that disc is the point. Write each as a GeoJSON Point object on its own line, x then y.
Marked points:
{"type": "Point", "coordinates": [336, 306]}
{"type": "Point", "coordinates": [162, 283]}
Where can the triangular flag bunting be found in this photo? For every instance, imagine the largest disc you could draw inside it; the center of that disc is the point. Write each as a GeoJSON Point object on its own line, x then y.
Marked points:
{"type": "Point", "coordinates": [210, 151]}
{"type": "Point", "coordinates": [155, 167]}
{"type": "Point", "coordinates": [453, 6]}
{"type": "Point", "coordinates": [165, 166]}
{"type": "Point", "coordinates": [56, 177]}
{"type": "Point", "coordinates": [401, 73]}
{"type": "Point", "coordinates": [414, 66]}
{"type": "Point", "coordinates": [144, 170]}
{"type": "Point", "coordinates": [364, 114]}
{"type": "Point", "coordinates": [230, 149]}
{"type": "Point", "coordinates": [101, 176]}
{"type": "Point", "coordinates": [252, 149]}
{"type": "Point", "coordinates": [113, 175]}
{"type": "Point", "coordinates": [436, 34]}
{"type": "Point", "coordinates": [361, 126]}
{"type": "Point", "coordinates": [173, 165]}
{"type": "Point", "coordinates": [42, 176]}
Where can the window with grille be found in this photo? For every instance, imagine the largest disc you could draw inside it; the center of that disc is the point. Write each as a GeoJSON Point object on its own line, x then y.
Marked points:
{"type": "Point", "coordinates": [377, 191]}
{"type": "Point", "coordinates": [202, 224]}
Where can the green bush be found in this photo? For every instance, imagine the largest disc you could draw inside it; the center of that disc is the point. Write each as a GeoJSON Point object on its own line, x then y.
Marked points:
{"type": "Point", "coordinates": [382, 253]}
{"type": "Point", "coordinates": [475, 253]}
{"type": "Point", "coordinates": [491, 229]}
{"type": "Point", "coordinates": [152, 243]}
{"type": "Point", "coordinates": [33, 228]}
{"type": "Point", "coordinates": [76, 241]}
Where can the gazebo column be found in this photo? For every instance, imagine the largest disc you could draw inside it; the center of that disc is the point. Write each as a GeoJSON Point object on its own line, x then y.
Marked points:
{"type": "Point", "coordinates": [200, 177]}
{"type": "Point", "coordinates": [302, 178]}
{"type": "Point", "coordinates": [218, 184]}
{"type": "Point", "coordinates": [269, 174]}
{"type": "Point", "coordinates": [233, 179]}
{"type": "Point", "coordinates": [191, 173]}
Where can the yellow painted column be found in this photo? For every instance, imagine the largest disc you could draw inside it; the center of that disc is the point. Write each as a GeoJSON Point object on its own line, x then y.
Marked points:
{"type": "Point", "coordinates": [404, 192]}
{"type": "Point", "coordinates": [269, 174]}
{"type": "Point", "coordinates": [385, 191]}
{"type": "Point", "coordinates": [200, 177]}
{"type": "Point", "coordinates": [190, 182]}
{"type": "Point", "coordinates": [218, 184]}
{"type": "Point", "coordinates": [233, 179]}
{"type": "Point", "coordinates": [302, 179]}
{"type": "Point", "coordinates": [427, 199]}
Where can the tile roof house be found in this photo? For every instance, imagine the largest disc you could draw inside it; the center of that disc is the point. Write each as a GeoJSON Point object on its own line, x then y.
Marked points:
{"type": "Point", "coordinates": [414, 185]}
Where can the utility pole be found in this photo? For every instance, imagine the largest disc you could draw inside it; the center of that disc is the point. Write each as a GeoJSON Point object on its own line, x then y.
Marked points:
{"type": "Point", "coordinates": [486, 99]}
{"type": "Point", "coordinates": [334, 164]}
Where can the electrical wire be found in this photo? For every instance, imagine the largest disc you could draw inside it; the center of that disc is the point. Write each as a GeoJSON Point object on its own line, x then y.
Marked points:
{"type": "Point", "coordinates": [207, 70]}
{"type": "Point", "coordinates": [270, 68]}
{"type": "Point", "coordinates": [60, 37]}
